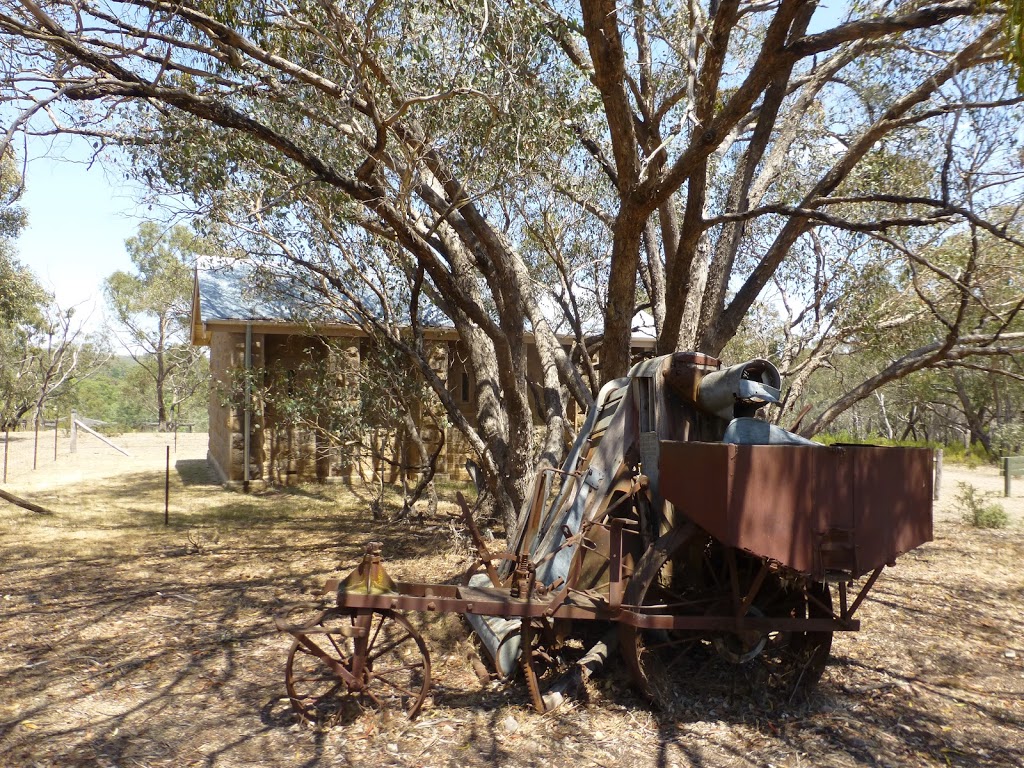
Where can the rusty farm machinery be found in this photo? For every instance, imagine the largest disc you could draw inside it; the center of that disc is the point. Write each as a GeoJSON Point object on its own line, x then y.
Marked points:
{"type": "Point", "coordinates": [678, 519]}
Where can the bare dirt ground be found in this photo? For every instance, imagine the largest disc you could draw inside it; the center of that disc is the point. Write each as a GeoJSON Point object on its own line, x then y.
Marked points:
{"type": "Point", "coordinates": [124, 642]}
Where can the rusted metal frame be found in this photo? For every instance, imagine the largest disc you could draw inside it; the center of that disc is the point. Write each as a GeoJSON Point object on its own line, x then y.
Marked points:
{"type": "Point", "coordinates": [557, 471]}
{"type": "Point", "coordinates": [489, 568]}
{"type": "Point", "coordinates": [732, 624]}
{"type": "Point", "coordinates": [545, 589]}
{"type": "Point", "coordinates": [594, 610]}
{"type": "Point", "coordinates": [629, 489]}
{"type": "Point", "coordinates": [615, 526]}
{"type": "Point", "coordinates": [447, 599]}
{"type": "Point", "coordinates": [363, 620]}
{"type": "Point", "coordinates": [615, 584]}
{"type": "Point", "coordinates": [564, 585]}
{"type": "Point", "coordinates": [524, 578]}
{"type": "Point", "coordinates": [301, 635]}
{"type": "Point", "coordinates": [843, 599]}
{"type": "Point", "coordinates": [864, 591]}
{"type": "Point", "coordinates": [299, 629]}
{"type": "Point", "coordinates": [734, 578]}
{"type": "Point", "coordinates": [754, 589]}
{"type": "Point", "coordinates": [335, 666]}
{"type": "Point", "coordinates": [682, 607]}
{"type": "Point", "coordinates": [448, 602]}
{"type": "Point", "coordinates": [557, 601]}
{"type": "Point", "coordinates": [571, 540]}
{"type": "Point", "coordinates": [573, 577]}
{"type": "Point", "coordinates": [484, 554]}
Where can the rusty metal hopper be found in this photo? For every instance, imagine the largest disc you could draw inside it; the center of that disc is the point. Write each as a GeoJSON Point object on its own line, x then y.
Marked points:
{"type": "Point", "coordinates": [815, 509]}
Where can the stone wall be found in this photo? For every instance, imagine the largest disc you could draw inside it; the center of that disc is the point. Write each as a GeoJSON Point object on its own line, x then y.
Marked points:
{"type": "Point", "coordinates": [227, 417]}
{"type": "Point", "coordinates": [287, 451]}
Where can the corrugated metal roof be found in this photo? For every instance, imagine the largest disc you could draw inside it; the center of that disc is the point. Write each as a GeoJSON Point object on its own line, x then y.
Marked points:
{"type": "Point", "coordinates": [232, 291]}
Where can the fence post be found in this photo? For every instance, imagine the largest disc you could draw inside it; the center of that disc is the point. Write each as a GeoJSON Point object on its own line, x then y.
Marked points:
{"type": "Point", "coordinates": [938, 475]}
{"type": "Point", "coordinates": [35, 444]}
{"type": "Point", "coordinates": [7, 443]}
{"type": "Point", "coordinates": [56, 426]}
{"type": "Point", "coordinates": [1006, 476]}
{"type": "Point", "coordinates": [74, 432]}
{"type": "Point", "coordinates": [167, 489]}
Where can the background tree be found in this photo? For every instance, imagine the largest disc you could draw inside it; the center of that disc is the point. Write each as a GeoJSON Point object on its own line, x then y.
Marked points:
{"type": "Point", "coordinates": [152, 308]}
{"type": "Point", "coordinates": [120, 393]}
{"type": "Point", "coordinates": [20, 292]}
{"type": "Point", "coordinates": [964, 290]}
{"type": "Point", "coordinates": [703, 147]}
{"type": "Point", "coordinates": [40, 343]}
{"type": "Point", "coordinates": [1014, 30]}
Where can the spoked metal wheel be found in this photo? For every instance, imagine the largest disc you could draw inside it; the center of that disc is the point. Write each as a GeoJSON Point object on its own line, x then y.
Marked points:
{"type": "Point", "coordinates": [777, 661]}
{"type": "Point", "coordinates": [793, 661]}
{"type": "Point", "coordinates": [347, 661]}
{"type": "Point", "coordinates": [774, 661]}
{"type": "Point", "coordinates": [650, 655]}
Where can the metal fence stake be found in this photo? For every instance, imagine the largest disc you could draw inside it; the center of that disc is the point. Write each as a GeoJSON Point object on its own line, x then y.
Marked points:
{"type": "Point", "coordinates": [167, 489]}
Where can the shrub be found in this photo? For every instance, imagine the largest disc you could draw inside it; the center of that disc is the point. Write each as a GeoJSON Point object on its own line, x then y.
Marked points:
{"type": "Point", "coordinates": [972, 456]}
{"type": "Point", "coordinates": [977, 510]}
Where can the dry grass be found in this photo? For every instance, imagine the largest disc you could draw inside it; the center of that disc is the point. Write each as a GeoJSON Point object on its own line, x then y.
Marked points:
{"type": "Point", "coordinates": [124, 642]}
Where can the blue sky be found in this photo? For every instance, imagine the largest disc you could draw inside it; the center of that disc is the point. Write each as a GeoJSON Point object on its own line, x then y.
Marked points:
{"type": "Point", "coordinates": [78, 220]}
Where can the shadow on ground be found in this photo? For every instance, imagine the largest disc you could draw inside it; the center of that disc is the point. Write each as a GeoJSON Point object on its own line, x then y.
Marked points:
{"type": "Point", "coordinates": [127, 642]}
{"type": "Point", "coordinates": [195, 472]}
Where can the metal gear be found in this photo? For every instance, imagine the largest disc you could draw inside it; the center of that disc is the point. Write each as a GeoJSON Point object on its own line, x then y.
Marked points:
{"type": "Point", "coordinates": [526, 661]}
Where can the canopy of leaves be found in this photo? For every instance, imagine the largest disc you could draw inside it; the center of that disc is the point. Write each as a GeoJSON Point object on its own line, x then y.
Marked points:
{"type": "Point", "coordinates": [518, 164]}
{"type": "Point", "coordinates": [20, 292]}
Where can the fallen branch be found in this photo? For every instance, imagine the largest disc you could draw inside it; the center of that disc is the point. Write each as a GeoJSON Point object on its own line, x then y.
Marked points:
{"type": "Point", "coordinates": [25, 504]}
{"type": "Point", "coordinates": [572, 682]}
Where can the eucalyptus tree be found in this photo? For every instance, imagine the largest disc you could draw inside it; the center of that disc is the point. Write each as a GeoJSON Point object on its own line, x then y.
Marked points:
{"type": "Point", "coordinates": [20, 292]}
{"type": "Point", "coordinates": [698, 149]}
{"type": "Point", "coordinates": [960, 314]}
{"type": "Point", "coordinates": [152, 308]}
{"type": "Point", "coordinates": [40, 343]}
{"type": "Point", "coordinates": [1014, 27]}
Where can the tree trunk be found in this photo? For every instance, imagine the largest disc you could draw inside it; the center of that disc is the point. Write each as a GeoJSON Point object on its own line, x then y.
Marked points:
{"type": "Point", "coordinates": [977, 423]}
{"type": "Point", "coordinates": [426, 467]}
{"type": "Point", "coordinates": [620, 305]}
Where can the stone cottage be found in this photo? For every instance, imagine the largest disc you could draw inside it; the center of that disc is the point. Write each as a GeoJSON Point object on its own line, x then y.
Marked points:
{"type": "Point", "coordinates": [263, 342]}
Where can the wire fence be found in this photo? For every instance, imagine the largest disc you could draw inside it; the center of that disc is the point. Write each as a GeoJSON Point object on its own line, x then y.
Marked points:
{"type": "Point", "coordinates": [31, 456]}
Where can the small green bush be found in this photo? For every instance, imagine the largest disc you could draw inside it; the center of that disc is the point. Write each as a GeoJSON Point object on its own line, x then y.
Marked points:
{"type": "Point", "coordinates": [972, 457]}
{"type": "Point", "coordinates": [977, 510]}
